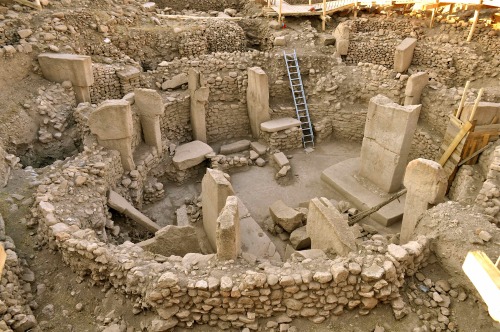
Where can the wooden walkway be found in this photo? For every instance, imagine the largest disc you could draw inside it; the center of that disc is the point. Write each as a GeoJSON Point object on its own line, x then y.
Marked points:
{"type": "Point", "coordinates": [325, 8]}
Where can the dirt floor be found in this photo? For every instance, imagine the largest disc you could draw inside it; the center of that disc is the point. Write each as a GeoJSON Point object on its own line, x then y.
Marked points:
{"type": "Point", "coordinates": [68, 302]}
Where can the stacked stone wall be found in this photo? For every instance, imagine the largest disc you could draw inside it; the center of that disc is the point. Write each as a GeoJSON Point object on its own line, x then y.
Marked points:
{"type": "Point", "coordinates": [235, 298]}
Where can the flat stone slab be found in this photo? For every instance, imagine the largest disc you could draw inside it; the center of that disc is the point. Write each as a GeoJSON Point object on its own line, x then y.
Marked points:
{"type": "Point", "coordinates": [259, 148]}
{"type": "Point", "coordinates": [235, 147]}
{"type": "Point", "coordinates": [279, 124]}
{"type": "Point", "coordinates": [341, 177]}
{"type": "Point", "coordinates": [281, 160]}
{"type": "Point", "coordinates": [253, 239]}
{"type": "Point", "coordinates": [191, 154]}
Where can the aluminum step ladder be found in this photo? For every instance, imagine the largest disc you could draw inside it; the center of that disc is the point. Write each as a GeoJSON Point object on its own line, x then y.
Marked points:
{"type": "Point", "coordinates": [299, 98]}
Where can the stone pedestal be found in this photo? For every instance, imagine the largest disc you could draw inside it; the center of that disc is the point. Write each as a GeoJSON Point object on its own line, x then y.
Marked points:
{"type": "Point", "coordinates": [257, 99]}
{"type": "Point", "coordinates": [426, 182]}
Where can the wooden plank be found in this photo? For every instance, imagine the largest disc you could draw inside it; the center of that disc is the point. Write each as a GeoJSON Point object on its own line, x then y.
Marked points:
{"type": "Point", "coordinates": [485, 276]}
{"type": "Point", "coordinates": [3, 258]}
{"type": "Point", "coordinates": [456, 141]}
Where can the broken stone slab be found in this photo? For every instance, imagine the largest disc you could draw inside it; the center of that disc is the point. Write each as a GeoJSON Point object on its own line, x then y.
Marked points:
{"type": "Point", "coordinates": [279, 124]}
{"type": "Point", "coordinates": [67, 67]}
{"type": "Point", "coordinates": [328, 229]}
{"type": "Point", "coordinates": [190, 154]}
{"type": "Point", "coordinates": [280, 41]}
{"type": "Point", "coordinates": [427, 183]}
{"type": "Point", "coordinates": [283, 171]}
{"type": "Point", "coordinates": [228, 236]}
{"type": "Point", "coordinates": [253, 239]}
{"type": "Point", "coordinates": [414, 87]}
{"type": "Point", "coordinates": [175, 81]}
{"type": "Point", "coordinates": [128, 73]}
{"type": "Point", "coordinates": [215, 189]}
{"type": "Point", "coordinates": [299, 239]}
{"type": "Point", "coordinates": [288, 218]}
{"type": "Point", "coordinates": [404, 54]}
{"type": "Point", "coordinates": [182, 216]}
{"type": "Point", "coordinates": [120, 204]}
{"type": "Point", "coordinates": [281, 160]}
{"type": "Point", "coordinates": [150, 105]}
{"type": "Point", "coordinates": [326, 39]}
{"type": "Point", "coordinates": [173, 240]}
{"type": "Point", "coordinates": [259, 148]}
{"type": "Point", "coordinates": [235, 147]}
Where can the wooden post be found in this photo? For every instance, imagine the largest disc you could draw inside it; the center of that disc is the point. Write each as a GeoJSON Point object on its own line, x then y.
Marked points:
{"type": "Point", "coordinates": [268, 3]}
{"type": "Point", "coordinates": [324, 16]}
{"type": "Point", "coordinates": [462, 102]}
{"type": "Point", "coordinates": [279, 14]}
{"type": "Point", "coordinates": [476, 104]}
{"type": "Point", "coordinates": [433, 14]}
{"type": "Point", "coordinates": [310, 2]}
{"type": "Point", "coordinates": [473, 27]}
{"type": "Point", "coordinates": [356, 9]}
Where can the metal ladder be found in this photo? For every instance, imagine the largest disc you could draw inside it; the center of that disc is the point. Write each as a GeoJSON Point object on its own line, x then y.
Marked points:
{"type": "Point", "coordinates": [299, 98]}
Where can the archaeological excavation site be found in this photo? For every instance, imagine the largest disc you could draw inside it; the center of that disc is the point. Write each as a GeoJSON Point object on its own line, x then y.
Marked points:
{"type": "Point", "coordinates": [249, 165]}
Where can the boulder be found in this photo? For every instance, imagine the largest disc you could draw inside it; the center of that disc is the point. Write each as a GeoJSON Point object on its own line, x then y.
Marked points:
{"type": "Point", "coordinates": [175, 82]}
{"type": "Point", "coordinates": [299, 239]}
{"type": "Point", "coordinates": [286, 217]}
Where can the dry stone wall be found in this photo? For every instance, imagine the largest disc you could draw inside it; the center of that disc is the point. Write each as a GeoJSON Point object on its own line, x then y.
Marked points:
{"type": "Point", "coordinates": [106, 83]}
{"type": "Point", "coordinates": [214, 293]}
{"type": "Point", "coordinates": [206, 5]}
{"type": "Point", "coordinates": [175, 122]}
{"type": "Point", "coordinates": [287, 139]}
{"type": "Point", "coordinates": [487, 200]}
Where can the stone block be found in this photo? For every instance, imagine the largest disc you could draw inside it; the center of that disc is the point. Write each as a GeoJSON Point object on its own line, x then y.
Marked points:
{"type": "Point", "coordinates": [275, 125]}
{"type": "Point", "coordinates": [259, 148]}
{"type": "Point", "coordinates": [215, 189]}
{"type": "Point", "coordinates": [238, 146]}
{"type": "Point", "coordinates": [190, 154]}
{"type": "Point", "coordinates": [389, 132]}
{"type": "Point", "coordinates": [289, 219]}
{"type": "Point", "coordinates": [404, 54]}
{"type": "Point", "coordinates": [326, 39]}
{"type": "Point", "coordinates": [175, 82]}
{"type": "Point", "coordinates": [299, 239]}
{"type": "Point", "coordinates": [228, 236]}
{"type": "Point", "coordinates": [173, 240]}
{"type": "Point", "coordinates": [486, 112]}
{"type": "Point", "coordinates": [280, 41]}
{"type": "Point", "coordinates": [281, 160]}
{"type": "Point", "coordinates": [120, 204]}
{"type": "Point", "coordinates": [328, 229]}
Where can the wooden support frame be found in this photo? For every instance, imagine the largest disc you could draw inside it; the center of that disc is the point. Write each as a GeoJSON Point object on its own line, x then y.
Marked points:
{"type": "Point", "coordinates": [3, 258]}
{"type": "Point", "coordinates": [323, 17]}
{"type": "Point", "coordinates": [485, 276]}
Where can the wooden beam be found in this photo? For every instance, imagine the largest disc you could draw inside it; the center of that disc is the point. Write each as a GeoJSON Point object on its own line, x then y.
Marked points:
{"type": "Point", "coordinates": [323, 25]}
{"type": "Point", "coordinates": [3, 258]}
{"type": "Point", "coordinates": [280, 11]}
{"type": "Point", "coordinates": [187, 17]}
{"type": "Point", "coordinates": [456, 141]}
{"type": "Point", "coordinates": [462, 101]}
{"type": "Point", "coordinates": [476, 104]}
{"type": "Point", "coordinates": [474, 23]}
{"type": "Point", "coordinates": [485, 276]}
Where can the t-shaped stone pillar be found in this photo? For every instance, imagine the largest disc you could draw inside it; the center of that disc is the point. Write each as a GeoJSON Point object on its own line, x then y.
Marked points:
{"type": "Point", "coordinates": [389, 131]}
{"type": "Point", "coordinates": [112, 123]}
{"type": "Point", "coordinates": [199, 98]}
{"type": "Point", "coordinates": [426, 182]}
{"type": "Point", "coordinates": [414, 87]}
{"type": "Point", "coordinates": [150, 106]}
{"type": "Point", "coordinates": [257, 99]}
